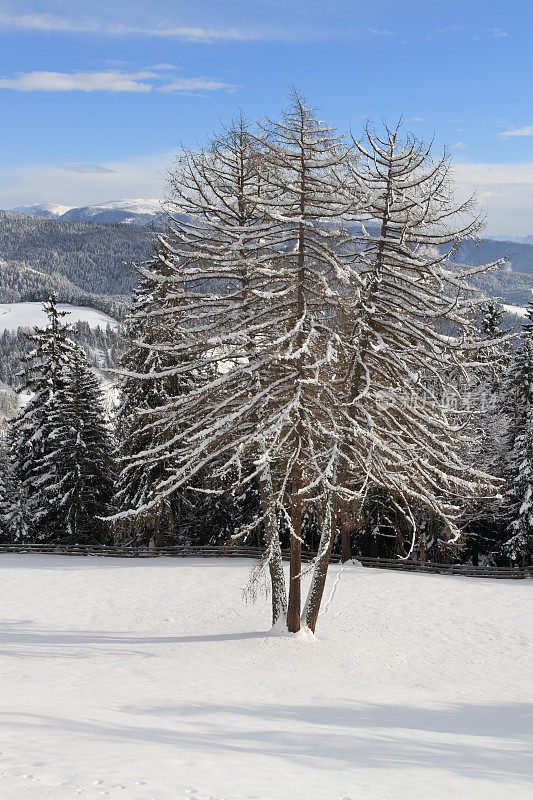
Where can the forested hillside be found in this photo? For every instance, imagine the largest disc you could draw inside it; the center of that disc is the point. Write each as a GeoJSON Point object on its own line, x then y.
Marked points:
{"type": "Point", "coordinates": [93, 255]}
{"type": "Point", "coordinates": [20, 283]}
{"type": "Point", "coordinates": [519, 256]}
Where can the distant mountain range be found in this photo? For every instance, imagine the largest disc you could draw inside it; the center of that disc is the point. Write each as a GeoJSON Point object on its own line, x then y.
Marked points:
{"type": "Point", "coordinates": [507, 238]}
{"type": "Point", "coordinates": [129, 212]}
{"type": "Point", "coordinates": [84, 253]}
{"type": "Point", "coordinates": [141, 211]}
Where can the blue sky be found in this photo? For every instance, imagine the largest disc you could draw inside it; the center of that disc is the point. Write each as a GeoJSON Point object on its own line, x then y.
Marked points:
{"type": "Point", "coordinates": [96, 96]}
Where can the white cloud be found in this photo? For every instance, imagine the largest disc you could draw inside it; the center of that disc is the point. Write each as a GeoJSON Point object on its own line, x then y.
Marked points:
{"type": "Point", "coordinates": [108, 81]}
{"type": "Point", "coordinates": [195, 84]}
{"type": "Point", "coordinates": [504, 191]}
{"type": "Point", "coordinates": [458, 145]}
{"type": "Point", "coordinates": [49, 23]}
{"type": "Point", "coordinates": [491, 174]}
{"type": "Point", "coordinates": [84, 168]}
{"type": "Point", "coordinates": [527, 131]}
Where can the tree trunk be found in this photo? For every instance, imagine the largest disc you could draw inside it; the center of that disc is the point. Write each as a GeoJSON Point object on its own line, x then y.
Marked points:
{"type": "Point", "coordinates": [316, 591]}
{"type": "Point", "coordinates": [422, 548]}
{"type": "Point", "coordinates": [295, 580]}
{"type": "Point", "coordinates": [346, 540]}
{"type": "Point", "coordinates": [271, 528]}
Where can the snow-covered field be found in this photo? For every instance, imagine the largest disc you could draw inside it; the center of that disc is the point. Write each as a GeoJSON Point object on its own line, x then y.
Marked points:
{"type": "Point", "coordinates": [151, 680]}
{"type": "Point", "coordinates": [27, 315]}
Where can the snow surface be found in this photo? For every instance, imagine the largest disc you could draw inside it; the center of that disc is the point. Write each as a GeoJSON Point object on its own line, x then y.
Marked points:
{"type": "Point", "coordinates": [518, 311]}
{"type": "Point", "coordinates": [27, 315]}
{"type": "Point", "coordinates": [150, 205]}
{"type": "Point", "coordinates": [43, 209]}
{"type": "Point", "coordinates": [151, 680]}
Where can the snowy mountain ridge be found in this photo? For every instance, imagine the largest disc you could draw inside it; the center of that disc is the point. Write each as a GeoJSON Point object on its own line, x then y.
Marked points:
{"type": "Point", "coordinates": [138, 211]}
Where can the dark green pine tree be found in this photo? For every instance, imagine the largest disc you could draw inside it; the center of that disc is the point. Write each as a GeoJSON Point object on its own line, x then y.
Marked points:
{"type": "Point", "coordinates": [11, 526]}
{"type": "Point", "coordinates": [30, 441]}
{"type": "Point", "coordinates": [79, 482]}
{"type": "Point", "coordinates": [519, 544]}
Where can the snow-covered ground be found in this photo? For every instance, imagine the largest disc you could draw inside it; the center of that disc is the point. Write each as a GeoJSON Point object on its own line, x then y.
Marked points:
{"type": "Point", "coordinates": [27, 315]}
{"type": "Point", "coordinates": [151, 680]}
{"type": "Point", "coordinates": [518, 311]}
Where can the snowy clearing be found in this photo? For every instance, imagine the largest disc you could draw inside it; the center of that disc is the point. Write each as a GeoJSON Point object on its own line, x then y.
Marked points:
{"type": "Point", "coordinates": [152, 680]}
{"type": "Point", "coordinates": [27, 315]}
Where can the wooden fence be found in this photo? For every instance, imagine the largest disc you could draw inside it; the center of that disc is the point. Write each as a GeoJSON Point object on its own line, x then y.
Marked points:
{"type": "Point", "coordinates": [256, 552]}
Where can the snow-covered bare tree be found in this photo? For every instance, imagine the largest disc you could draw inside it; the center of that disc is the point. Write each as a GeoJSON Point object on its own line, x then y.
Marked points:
{"type": "Point", "coordinates": [411, 327]}
{"type": "Point", "coordinates": [309, 196]}
{"type": "Point", "coordinates": [142, 390]}
{"type": "Point", "coordinates": [209, 318]}
{"type": "Point", "coordinates": [316, 357]}
{"type": "Point", "coordinates": [260, 272]}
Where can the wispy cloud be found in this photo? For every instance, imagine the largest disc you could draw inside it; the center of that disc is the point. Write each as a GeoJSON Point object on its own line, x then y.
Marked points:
{"type": "Point", "coordinates": [109, 81]}
{"type": "Point", "coordinates": [381, 32]}
{"type": "Point", "coordinates": [85, 169]}
{"type": "Point", "coordinates": [492, 33]}
{"type": "Point", "coordinates": [527, 131]}
{"type": "Point", "coordinates": [196, 84]}
{"type": "Point", "coordinates": [50, 23]}
{"type": "Point", "coordinates": [458, 145]}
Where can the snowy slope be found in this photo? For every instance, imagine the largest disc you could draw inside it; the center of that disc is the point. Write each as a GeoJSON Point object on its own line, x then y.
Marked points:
{"type": "Point", "coordinates": [151, 680]}
{"type": "Point", "coordinates": [27, 315]}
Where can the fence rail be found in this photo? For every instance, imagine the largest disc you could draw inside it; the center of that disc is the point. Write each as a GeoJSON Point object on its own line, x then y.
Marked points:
{"type": "Point", "coordinates": [231, 551]}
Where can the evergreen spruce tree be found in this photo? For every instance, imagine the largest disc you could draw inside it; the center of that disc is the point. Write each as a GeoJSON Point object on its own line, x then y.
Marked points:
{"type": "Point", "coordinates": [11, 527]}
{"type": "Point", "coordinates": [30, 440]}
{"type": "Point", "coordinates": [79, 481]}
{"type": "Point", "coordinates": [483, 519]}
{"type": "Point", "coordinates": [59, 441]}
{"type": "Point", "coordinates": [519, 392]}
